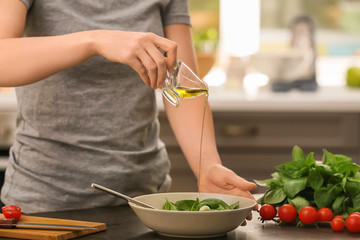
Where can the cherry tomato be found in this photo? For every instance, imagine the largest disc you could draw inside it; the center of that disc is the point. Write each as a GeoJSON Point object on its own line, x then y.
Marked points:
{"type": "Point", "coordinates": [353, 223]}
{"type": "Point", "coordinates": [337, 224]}
{"type": "Point", "coordinates": [324, 215]}
{"type": "Point", "coordinates": [340, 217]}
{"type": "Point", "coordinates": [354, 213]}
{"type": "Point", "coordinates": [287, 213]}
{"type": "Point", "coordinates": [11, 211]}
{"type": "Point", "coordinates": [308, 215]}
{"type": "Point", "coordinates": [267, 212]}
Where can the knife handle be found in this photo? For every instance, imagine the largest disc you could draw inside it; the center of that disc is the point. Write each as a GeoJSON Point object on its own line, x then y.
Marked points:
{"type": "Point", "coordinates": [8, 223]}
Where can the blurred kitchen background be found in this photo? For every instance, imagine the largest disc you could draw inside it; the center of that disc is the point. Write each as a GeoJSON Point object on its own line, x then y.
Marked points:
{"type": "Point", "coordinates": [281, 73]}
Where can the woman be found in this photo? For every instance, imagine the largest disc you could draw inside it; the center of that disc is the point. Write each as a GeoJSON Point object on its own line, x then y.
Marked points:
{"type": "Point", "coordinates": [85, 114]}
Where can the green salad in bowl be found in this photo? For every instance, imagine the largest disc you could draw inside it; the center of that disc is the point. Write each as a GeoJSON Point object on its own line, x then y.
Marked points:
{"type": "Point", "coordinates": [208, 204]}
{"type": "Point", "coordinates": [193, 214]}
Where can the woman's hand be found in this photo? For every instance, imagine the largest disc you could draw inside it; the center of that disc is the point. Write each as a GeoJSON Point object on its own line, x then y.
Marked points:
{"type": "Point", "coordinates": [219, 179]}
{"type": "Point", "coordinates": [141, 51]}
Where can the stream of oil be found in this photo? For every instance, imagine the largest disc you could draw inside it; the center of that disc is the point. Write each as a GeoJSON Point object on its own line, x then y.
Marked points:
{"type": "Point", "coordinates": [189, 93]}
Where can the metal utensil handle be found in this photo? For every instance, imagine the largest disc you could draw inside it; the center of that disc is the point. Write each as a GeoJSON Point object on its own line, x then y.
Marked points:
{"type": "Point", "coordinates": [117, 194]}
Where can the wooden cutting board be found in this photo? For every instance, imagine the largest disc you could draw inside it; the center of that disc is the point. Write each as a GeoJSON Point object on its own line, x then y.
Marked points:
{"type": "Point", "coordinates": [38, 234]}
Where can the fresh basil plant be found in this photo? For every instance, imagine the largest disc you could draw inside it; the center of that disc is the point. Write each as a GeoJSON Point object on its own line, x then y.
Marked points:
{"type": "Point", "coordinates": [334, 183]}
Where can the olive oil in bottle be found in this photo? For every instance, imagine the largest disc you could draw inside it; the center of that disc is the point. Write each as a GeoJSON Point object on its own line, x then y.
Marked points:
{"type": "Point", "coordinates": [190, 92]}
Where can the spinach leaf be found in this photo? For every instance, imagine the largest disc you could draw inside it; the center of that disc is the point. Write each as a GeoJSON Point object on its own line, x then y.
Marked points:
{"type": "Point", "coordinates": [184, 205]}
{"type": "Point", "coordinates": [235, 205]}
{"type": "Point", "coordinates": [196, 205]}
{"type": "Point", "coordinates": [214, 203]}
{"type": "Point", "coordinates": [220, 208]}
{"type": "Point", "coordinates": [169, 205]}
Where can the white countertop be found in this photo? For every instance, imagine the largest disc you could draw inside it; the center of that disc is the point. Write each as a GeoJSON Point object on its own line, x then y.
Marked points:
{"type": "Point", "coordinates": [325, 99]}
{"type": "Point", "coordinates": [8, 100]}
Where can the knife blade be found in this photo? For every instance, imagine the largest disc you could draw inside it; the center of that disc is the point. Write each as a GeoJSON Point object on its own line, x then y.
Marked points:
{"type": "Point", "coordinates": [13, 223]}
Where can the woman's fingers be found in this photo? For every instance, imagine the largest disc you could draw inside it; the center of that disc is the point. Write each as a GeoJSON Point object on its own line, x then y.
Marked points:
{"type": "Point", "coordinates": [155, 63]}
{"type": "Point", "coordinates": [151, 68]}
{"type": "Point", "coordinates": [157, 67]}
{"type": "Point", "coordinates": [241, 183]}
{"type": "Point", "coordinates": [141, 51]}
{"type": "Point", "coordinates": [138, 66]}
{"type": "Point", "coordinates": [169, 47]}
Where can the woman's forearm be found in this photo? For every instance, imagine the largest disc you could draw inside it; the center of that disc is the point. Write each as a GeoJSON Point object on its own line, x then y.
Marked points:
{"type": "Point", "coordinates": [186, 120]}
{"type": "Point", "coordinates": [27, 60]}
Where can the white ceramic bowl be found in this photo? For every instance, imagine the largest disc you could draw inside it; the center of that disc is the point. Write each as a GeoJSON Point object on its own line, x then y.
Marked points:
{"type": "Point", "coordinates": [191, 224]}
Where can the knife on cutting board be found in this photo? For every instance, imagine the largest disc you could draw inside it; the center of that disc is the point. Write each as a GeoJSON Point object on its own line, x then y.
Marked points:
{"type": "Point", "coordinates": [13, 223]}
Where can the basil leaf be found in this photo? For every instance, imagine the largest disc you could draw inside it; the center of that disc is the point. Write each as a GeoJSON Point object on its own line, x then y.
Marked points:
{"type": "Point", "coordinates": [356, 201]}
{"type": "Point", "coordinates": [343, 183]}
{"type": "Point", "coordinates": [294, 186]}
{"type": "Point", "coordinates": [299, 202]}
{"type": "Point", "coordinates": [297, 154]}
{"type": "Point", "coordinates": [349, 169]}
{"type": "Point", "coordinates": [274, 196]}
{"type": "Point", "coordinates": [310, 160]}
{"type": "Point", "coordinates": [265, 183]}
{"type": "Point", "coordinates": [338, 205]}
{"type": "Point", "coordinates": [261, 200]}
{"type": "Point", "coordinates": [315, 179]}
{"type": "Point", "coordinates": [357, 176]}
{"type": "Point", "coordinates": [341, 164]}
{"type": "Point", "coordinates": [293, 169]}
{"type": "Point", "coordinates": [326, 195]}
{"type": "Point", "coordinates": [352, 187]}
{"type": "Point", "coordinates": [325, 170]}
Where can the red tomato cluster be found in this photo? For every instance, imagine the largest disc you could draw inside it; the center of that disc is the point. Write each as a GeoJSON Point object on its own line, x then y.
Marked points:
{"type": "Point", "coordinates": [309, 215]}
{"type": "Point", "coordinates": [11, 211]}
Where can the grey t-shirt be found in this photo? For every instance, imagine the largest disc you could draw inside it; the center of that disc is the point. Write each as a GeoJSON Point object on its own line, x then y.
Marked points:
{"type": "Point", "coordinates": [95, 122]}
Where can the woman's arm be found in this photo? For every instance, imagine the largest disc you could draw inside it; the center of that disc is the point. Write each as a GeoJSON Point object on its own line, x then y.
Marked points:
{"type": "Point", "coordinates": [186, 121]}
{"type": "Point", "coordinates": [27, 60]}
